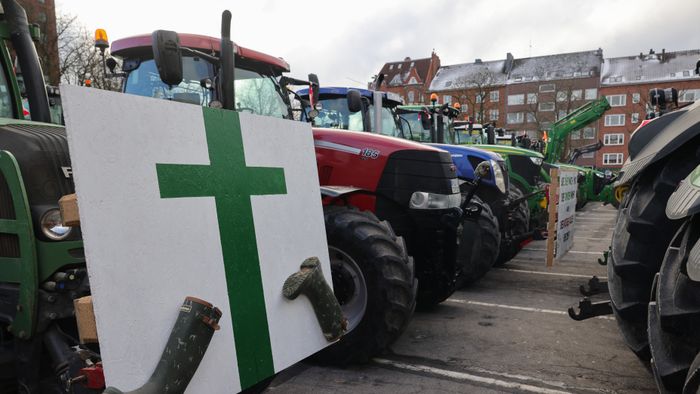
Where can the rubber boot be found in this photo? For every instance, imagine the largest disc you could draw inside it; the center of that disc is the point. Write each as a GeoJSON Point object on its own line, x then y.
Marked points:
{"type": "Point", "coordinates": [185, 349]}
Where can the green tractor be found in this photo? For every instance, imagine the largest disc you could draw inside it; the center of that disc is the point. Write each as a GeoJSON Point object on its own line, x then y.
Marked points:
{"type": "Point", "coordinates": [42, 263]}
{"type": "Point", "coordinates": [593, 185]}
{"type": "Point", "coordinates": [528, 178]}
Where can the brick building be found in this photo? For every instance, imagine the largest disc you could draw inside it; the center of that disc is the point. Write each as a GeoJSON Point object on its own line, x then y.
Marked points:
{"type": "Point", "coordinates": [479, 87]}
{"type": "Point", "coordinates": [43, 14]}
{"type": "Point", "coordinates": [626, 82]}
{"type": "Point", "coordinates": [541, 90]}
{"type": "Point", "coordinates": [410, 78]}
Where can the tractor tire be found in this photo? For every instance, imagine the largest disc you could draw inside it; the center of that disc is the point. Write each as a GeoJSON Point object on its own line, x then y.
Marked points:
{"type": "Point", "coordinates": [674, 313]}
{"type": "Point", "coordinates": [518, 225]}
{"type": "Point", "coordinates": [479, 243]}
{"type": "Point", "coordinates": [374, 281]}
{"type": "Point", "coordinates": [641, 235]}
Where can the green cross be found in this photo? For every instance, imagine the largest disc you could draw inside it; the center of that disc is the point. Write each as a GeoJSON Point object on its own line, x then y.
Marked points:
{"type": "Point", "coordinates": [232, 183]}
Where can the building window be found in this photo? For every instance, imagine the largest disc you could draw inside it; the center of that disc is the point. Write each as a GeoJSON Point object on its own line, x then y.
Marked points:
{"type": "Point", "coordinates": [688, 96]}
{"type": "Point", "coordinates": [447, 98]}
{"type": "Point", "coordinates": [562, 96]}
{"type": "Point", "coordinates": [561, 114]}
{"type": "Point", "coordinates": [411, 96]}
{"type": "Point", "coordinates": [479, 97]}
{"type": "Point", "coordinates": [617, 100]}
{"type": "Point", "coordinates": [576, 94]}
{"type": "Point", "coordinates": [516, 99]}
{"type": "Point", "coordinates": [494, 96]}
{"type": "Point", "coordinates": [634, 118]}
{"type": "Point", "coordinates": [398, 66]}
{"type": "Point", "coordinates": [635, 98]}
{"type": "Point", "coordinates": [532, 98]}
{"type": "Point", "coordinates": [545, 107]}
{"type": "Point", "coordinates": [493, 114]}
{"type": "Point", "coordinates": [591, 94]}
{"type": "Point", "coordinates": [413, 81]}
{"type": "Point", "coordinates": [548, 87]}
{"type": "Point", "coordinates": [530, 118]}
{"type": "Point", "coordinates": [615, 120]}
{"type": "Point", "coordinates": [610, 159]}
{"type": "Point", "coordinates": [614, 139]}
{"type": "Point", "coordinates": [478, 117]}
{"type": "Point", "coordinates": [391, 67]}
{"type": "Point", "coordinates": [686, 73]}
{"type": "Point", "coordinates": [588, 133]}
{"type": "Point", "coordinates": [576, 135]}
{"type": "Point", "coordinates": [546, 125]}
{"type": "Point", "coordinates": [514, 117]}
{"type": "Point", "coordinates": [588, 155]}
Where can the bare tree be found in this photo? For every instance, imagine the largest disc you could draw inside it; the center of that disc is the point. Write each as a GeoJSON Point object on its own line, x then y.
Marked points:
{"type": "Point", "coordinates": [473, 90]}
{"type": "Point", "coordinates": [79, 60]}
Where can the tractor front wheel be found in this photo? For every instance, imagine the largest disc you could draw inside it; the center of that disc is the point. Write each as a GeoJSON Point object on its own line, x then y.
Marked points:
{"type": "Point", "coordinates": [479, 243]}
{"type": "Point", "coordinates": [373, 280]}
{"type": "Point", "coordinates": [518, 224]}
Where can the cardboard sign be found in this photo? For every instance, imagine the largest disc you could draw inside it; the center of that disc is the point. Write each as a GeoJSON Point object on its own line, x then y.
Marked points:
{"type": "Point", "coordinates": [566, 211]}
{"type": "Point", "coordinates": [179, 200]}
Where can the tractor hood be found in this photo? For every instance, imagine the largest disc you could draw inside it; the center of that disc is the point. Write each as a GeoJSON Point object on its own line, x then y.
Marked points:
{"type": "Point", "coordinates": [659, 138]}
{"type": "Point", "coordinates": [466, 158]}
{"type": "Point", "coordinates": [510, 150]}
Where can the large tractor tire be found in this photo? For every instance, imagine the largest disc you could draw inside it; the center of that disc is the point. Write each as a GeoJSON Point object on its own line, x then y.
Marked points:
{"type": "Point", "coordinates": [674, 314]}
{"type": "Point", "coordinates": [374, 281]}
{"type": "Point", "coordinates": [518, 225]}
{"type": "Point", "coordinates": [640, 238]}
{"type": "Point", "coordinates": [479, 244]}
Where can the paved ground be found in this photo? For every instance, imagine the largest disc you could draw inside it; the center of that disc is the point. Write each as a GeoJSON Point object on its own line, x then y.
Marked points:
{"type": "Point", "coordinates": [508, 333]}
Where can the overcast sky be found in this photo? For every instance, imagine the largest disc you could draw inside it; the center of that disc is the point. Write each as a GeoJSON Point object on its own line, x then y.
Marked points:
{"type": "Point", "coordinates": [346, 42]}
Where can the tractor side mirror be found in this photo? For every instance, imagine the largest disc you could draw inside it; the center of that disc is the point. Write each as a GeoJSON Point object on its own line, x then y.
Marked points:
{"type": "Point", "coordinates": [354, 101]}
{"type": "Point", "coordinates": [483, 169]}
{"type": "Point", "coordinates": [425, 120]}
{"type": "Point", "coordinates": [168, 56]}
{"type": "Point", "coordinates": [111, 64]}
{"type": "Point", "coordinates": [315, 86]}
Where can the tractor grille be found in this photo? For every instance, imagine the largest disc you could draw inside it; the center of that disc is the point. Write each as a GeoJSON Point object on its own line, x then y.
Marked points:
{"type": "Point", "coordinates": [9, 243]}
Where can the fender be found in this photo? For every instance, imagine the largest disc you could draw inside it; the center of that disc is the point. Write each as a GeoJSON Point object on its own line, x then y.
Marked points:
{"type": "Point", "coordinates": [685, 201]}
{"type": "Point", "coordinates": [659, 138]}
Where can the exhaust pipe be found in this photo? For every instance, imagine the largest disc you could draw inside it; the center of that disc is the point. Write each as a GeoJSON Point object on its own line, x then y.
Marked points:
{"type": "Point", "coordinates": [28, 61]}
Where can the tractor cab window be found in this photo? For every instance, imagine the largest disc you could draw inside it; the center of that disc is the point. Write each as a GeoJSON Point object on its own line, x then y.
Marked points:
{"type": "Point", "coordinates": [145, 81]}
{"type": "Point", "coordinates": [390, 126]}
{"type": "Point", "coordinates": [6, 102]}
{"type": "Point", "coordinates": [413, 127]}
{"type": "Point", "coordinates": [255, 92]}
{"type": "Point", "coordinates": [333, 113]}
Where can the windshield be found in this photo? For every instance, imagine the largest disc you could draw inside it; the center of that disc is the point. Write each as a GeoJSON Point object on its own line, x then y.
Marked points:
{"type": "Point", "coordinates": [413, 127]}
{"type": "Point", "coordinates": [334, 113]}
{"type": "Point", "coordinates": [255, 92]}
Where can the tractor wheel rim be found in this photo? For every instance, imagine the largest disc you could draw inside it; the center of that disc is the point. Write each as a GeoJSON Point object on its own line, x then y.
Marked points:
{"type": "Point", "coordinates": [349, 286]}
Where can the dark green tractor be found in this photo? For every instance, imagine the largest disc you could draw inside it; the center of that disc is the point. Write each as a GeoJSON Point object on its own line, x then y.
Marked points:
{"type": "Point", "coordinates": [42, 264]}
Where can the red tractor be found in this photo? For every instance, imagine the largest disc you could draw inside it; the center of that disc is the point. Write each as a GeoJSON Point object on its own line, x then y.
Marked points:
{"type": "Point", "coordinates": [377, 191]}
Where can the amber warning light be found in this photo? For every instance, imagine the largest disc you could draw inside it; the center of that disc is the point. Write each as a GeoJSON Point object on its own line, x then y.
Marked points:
{"type": "Point", "coordinates": [101, 40]}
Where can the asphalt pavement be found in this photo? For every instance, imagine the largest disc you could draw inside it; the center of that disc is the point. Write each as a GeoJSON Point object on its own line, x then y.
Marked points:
{"type": "Point", "coordinates": [509, 332]}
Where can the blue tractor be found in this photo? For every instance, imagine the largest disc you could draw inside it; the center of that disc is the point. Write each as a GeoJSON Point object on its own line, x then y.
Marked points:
{"type": "Point", "coordinates": [355, 109]}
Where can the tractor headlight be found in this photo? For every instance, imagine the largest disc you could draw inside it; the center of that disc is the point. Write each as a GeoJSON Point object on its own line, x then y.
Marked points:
{"type": "Point", "coordinates": [425, 200]}
{"type": "Point", "coordinates": [498, 176]}
{"type": "Point", "coordinates": [52, 225]}
{"type": "Point", "coordinates": [536, 160]}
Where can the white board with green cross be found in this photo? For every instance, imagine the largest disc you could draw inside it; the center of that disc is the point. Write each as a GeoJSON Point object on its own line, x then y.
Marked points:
{"type": "Point", "coordinates": [179, 200]}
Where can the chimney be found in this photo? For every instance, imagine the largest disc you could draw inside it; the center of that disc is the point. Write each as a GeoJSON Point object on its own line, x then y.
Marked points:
{"type": "Point", "coordinates": [663, 54]}
{"type": "Point", "coordinates": [508, 64]}
{"type": "Point", "coordinates": [407, 59]}
{"type": "Point", "coordinates": [477, 61]}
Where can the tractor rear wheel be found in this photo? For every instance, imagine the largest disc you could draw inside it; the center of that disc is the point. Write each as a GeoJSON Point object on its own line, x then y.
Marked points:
{"type": "Point", "coordinates": [640, 238]}
{"type": "Point", "coordinates": [674, 313]}
{"type": "Point", "coordinates": [373, 280]}
{"type": "Point", "coordinates": [479, 244]}
{"type": "Point", "coordinates": [518, 224]}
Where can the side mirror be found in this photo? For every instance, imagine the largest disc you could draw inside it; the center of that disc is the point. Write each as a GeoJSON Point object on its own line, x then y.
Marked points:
{"type": "Point", "coordinates": [314, 88]}
{"type": "Point", "coordinates": [354, 101]}
{"type": "Point", "coordinates": [167, 55]}
{"type": "Point", "coordinates": [425, 120]}
{"type": "Point", "coordinates": [483, 169]}
{"type": "Point", "coordinates": [111, 64]}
